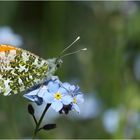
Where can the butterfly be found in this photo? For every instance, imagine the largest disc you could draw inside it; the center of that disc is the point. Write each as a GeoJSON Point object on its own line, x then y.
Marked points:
{"type": "Point", "coordinates": [20, 69]}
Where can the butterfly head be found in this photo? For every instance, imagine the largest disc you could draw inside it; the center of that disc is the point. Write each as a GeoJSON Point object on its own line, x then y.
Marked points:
{"type": "Point", "coordinates": [58, 62]}
{"type": "Point", "coordinates": [54, 64]}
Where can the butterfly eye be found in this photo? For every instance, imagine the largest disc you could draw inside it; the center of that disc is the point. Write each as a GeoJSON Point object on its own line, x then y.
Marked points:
{"type": "Point", "coordinates": [57, 65]}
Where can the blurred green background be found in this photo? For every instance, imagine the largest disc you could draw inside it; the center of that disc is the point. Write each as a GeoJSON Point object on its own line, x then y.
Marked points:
{"type": "Point", "coordinates": [109, 70]}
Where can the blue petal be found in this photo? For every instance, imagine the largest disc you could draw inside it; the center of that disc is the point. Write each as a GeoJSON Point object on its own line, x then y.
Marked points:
{"type": "Point", "coordinates": [53, 87]}
{"type": "Point", "coordinates": [55, 78]}
{"type": "Point", "coordinates": [72, 87]}
{"type": "Point", "coordinates": [66, 100]}
{"type": "Point", "coordinates": [76, 108]}
{"type": "Point", "coordinates": [79, 98]}
{"type": "Point", "coordinates": [66, 86]}
{"type": "Point", "coordinates": [29, 97]}
{"type": "Point", "coordinates": [48, 97]}
{"type": "Point", "coordinates": [77, 88]}
{"type": "Point", "coordinates": [34, 92]}
{"type": "Point", "coordinates": [63, 91]}
{"type": "Point", "coordinates": [57, 106]}
{"type": "Point", "coordinates": [42, 91]}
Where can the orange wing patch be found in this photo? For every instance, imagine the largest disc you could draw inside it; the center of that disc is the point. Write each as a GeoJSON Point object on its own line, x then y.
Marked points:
{"type": "Point", "coordinates": [4, 48]}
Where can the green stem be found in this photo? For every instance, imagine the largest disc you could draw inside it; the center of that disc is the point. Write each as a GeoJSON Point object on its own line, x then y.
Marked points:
{"type": "Point", "coordinates": [40, 120]}
{"type": "Point", "coordinates": [34, 119]}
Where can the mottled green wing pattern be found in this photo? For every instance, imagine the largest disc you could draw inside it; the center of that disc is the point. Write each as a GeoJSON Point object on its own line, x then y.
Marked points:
{"type": "Point", "coordinates": [20, 70]}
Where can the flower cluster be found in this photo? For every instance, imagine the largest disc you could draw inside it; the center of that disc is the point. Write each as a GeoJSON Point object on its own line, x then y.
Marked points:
{"type": "Point", "coordinates": [62, 97]}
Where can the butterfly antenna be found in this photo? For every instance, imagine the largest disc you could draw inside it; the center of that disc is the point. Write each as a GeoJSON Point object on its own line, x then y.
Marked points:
{"type": "Point", "coordinates": [84, 49]}
{"type": "Point", "coordinates": [70, 45]}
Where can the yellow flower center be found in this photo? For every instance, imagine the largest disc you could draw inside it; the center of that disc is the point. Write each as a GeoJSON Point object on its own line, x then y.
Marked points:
{"type": "Point", "coordinates": [74, 100]}
{"type": "Point", "coordinates": [57, 95]}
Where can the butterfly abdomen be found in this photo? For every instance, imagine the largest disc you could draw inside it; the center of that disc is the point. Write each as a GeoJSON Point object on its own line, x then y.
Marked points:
{"type": "Point", "coordinates": [20, 70]}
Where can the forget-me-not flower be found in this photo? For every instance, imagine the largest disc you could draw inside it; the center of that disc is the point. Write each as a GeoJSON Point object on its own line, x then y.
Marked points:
{"type": "Point", "coordinates": [63, 97]}
{"type": "Point", "coordinates": [76, 95]}
{"type": "Point", "coordinates": [57, 95]}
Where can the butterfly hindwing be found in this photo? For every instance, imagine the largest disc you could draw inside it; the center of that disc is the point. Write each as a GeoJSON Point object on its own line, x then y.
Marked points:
{"type": "Point", "coordinates": [19, 70]}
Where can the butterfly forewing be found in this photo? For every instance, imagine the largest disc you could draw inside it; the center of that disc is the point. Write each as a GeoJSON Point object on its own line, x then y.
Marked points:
{"type": "Point", "coordinates": [19, 70]}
